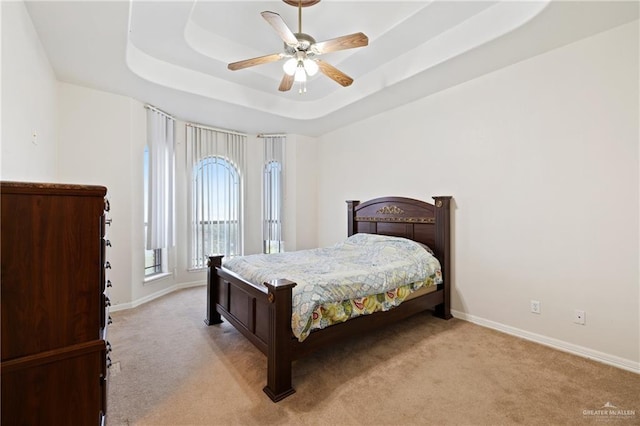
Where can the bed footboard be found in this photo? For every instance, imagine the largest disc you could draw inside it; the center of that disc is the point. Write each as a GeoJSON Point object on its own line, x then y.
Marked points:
{"type": "Point", "coordinates": [262, 314]}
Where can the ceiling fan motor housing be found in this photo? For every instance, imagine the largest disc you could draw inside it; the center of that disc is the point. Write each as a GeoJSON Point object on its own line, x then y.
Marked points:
{"type": "Point", "coordinates": [304, 43]}
{"type": "Point", "coordinates": [301, 3]}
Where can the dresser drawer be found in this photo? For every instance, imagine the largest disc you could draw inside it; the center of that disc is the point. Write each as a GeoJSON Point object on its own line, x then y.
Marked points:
{"type": "Point", "coordinates": [51, 270]}
{"type": "Point", "coordinates": [67, 385]}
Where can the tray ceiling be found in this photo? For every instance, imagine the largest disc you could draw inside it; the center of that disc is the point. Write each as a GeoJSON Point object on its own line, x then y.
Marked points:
{"type": "Point", "coordinates": [174, 55]}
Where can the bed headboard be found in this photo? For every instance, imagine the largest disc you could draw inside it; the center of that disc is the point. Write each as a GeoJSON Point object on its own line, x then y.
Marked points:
{"type": "Point", "coordinates": [405, 217]}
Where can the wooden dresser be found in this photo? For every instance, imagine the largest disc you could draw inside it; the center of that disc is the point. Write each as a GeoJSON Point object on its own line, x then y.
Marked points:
{"type": "Point", "coordinates": [54, 304]}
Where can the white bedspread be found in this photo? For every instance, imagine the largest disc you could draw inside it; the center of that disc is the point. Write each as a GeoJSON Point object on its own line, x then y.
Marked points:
{"type": "Point", "coordinates": [362, 265]}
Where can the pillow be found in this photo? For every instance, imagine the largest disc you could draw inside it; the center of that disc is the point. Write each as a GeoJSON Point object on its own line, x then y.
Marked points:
{"type": "Point", "coordinates": [427, 248]}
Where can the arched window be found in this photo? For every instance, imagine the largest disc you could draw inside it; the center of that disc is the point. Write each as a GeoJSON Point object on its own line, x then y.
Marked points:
{"type": "Point", "coordinates": [216, 158]}
{"type": "Point", "coordinates": [216, 210]}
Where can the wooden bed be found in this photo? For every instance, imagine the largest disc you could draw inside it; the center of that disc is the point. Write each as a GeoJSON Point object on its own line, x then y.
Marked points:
{"type": "Point", "coordinates": [263, 313]}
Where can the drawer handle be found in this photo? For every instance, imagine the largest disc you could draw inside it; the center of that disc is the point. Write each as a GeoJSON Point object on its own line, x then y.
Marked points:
{"type": "Point", "coordinates": [110, 320]}
{"type": "Point", "coordinates": [108, 221]}
{"type": "Point", "coordinates": [107, 265]}
{"type": "Point", "coordinates": [107, 205]}
{"type": "Point", "coordinates": [108, 243]}
{"type": "Point", "coordinates": [109, 347]}
{"type": "Point", "coordinates": [108, 362]}
{"type": "Point", "coordinates": [109, 283]}
{"type": "Point", "coordinates": [107, 302]}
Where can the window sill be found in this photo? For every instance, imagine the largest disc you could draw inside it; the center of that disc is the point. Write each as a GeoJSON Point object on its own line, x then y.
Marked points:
{"type": "Point", "coordinates": [151, 278]}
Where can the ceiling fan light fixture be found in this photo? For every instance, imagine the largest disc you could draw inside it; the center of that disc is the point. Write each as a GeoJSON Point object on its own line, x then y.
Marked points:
{"type": "Point", "coordinates": [300, 75]}
{"type": "Point", "coordinates": [289, 67]}
{"type": "Point", "coordinates": [310, 66]}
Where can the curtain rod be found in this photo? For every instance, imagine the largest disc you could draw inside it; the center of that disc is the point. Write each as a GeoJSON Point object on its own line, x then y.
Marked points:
{"type": "Point", "coordinates": [200, 126]}
{"type": "Point", "coordinates": [152, 108]}
{"type": "Point", "coordinates": [272, 135]}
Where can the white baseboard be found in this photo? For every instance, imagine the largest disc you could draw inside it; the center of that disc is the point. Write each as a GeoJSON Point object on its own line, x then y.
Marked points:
{"type": "Point", "coordinates": [153, 296]}
{"type": "Point", "coordinates": [625, 364]}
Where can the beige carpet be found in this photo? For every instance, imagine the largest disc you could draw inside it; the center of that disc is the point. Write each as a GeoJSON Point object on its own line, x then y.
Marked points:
{"type": "Point", "coordinates": [171, 369]}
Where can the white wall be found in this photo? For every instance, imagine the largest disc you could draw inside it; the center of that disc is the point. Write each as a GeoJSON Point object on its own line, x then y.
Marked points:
{"type": "Point", "coordinates": [301, 209]}
{"type": "Point", "coordinates": [28, 101]}
{"type": "Point", "coordinates": [96, 142]}
{"type": "Point", "coordinates": [542, 161]}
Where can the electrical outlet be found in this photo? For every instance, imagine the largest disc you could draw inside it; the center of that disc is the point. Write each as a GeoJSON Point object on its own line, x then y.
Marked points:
{"type": "Point", "coordinates": [579, 317]}
{"type": "Point", "coordinates": [535, 306]}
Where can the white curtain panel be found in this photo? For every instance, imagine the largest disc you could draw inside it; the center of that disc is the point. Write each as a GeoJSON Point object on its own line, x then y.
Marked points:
{"type": "Point", "coordinates": [160, 140]}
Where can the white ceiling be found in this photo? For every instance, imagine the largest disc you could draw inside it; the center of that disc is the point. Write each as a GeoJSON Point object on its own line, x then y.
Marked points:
{"type": "Point", "coordinates": [174, 54]}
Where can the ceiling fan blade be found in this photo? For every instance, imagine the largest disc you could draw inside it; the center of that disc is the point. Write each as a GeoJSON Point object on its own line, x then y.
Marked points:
{"type": "Point", "coordinates": [281, 28]}
{"type": "Point", "coordinates": [340, 43]}
{"type": "Point", "coordinates": [334, 73]}
{"type": "Point", "coordinates": [255, 61]}
{"type": "Point", "coordinates": [286, 83]}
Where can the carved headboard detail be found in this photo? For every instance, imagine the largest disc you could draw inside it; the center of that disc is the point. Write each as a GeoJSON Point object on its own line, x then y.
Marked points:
{"type": "Point", "coordinates": [405, 217]}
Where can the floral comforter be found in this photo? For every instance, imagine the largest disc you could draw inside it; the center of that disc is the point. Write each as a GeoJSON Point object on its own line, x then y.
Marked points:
{"type": "Point", "coordinates": [361, 275]}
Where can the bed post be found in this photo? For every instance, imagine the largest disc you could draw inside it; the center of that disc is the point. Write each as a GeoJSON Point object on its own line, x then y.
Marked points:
{"type": "Point", "coordinates": [351, 216]}
{"type": "Point", "coordinates": [279, 352]}
{"type": "Point", "coordinates": [443, 251]}
{"type": "Point", "coordinates": [213, 317]}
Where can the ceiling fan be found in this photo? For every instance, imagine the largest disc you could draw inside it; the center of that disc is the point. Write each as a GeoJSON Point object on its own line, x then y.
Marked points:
{"type": "Point", "coordinates": [301, 50]}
